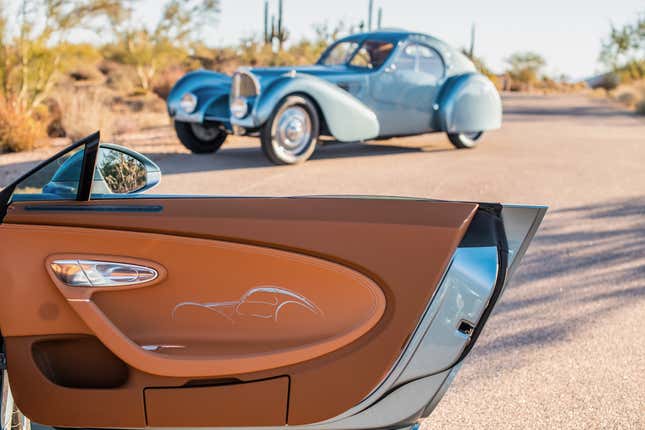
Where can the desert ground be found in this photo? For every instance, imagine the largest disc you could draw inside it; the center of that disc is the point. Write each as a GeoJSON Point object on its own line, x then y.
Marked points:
{"type": "Point", "coordinates": [564, 348]}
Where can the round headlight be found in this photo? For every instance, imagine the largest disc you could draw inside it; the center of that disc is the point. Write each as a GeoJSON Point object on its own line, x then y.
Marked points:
{"type": "Point", "coordinates": [239, 107]}
{"type": "Point", "coordinates": [188, 103]}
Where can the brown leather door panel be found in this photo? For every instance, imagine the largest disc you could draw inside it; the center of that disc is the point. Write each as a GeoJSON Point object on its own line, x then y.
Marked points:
{"type": "Point", "coordinates": [223, 309]}
{"type": "Point", "coordinates": [227, 405]}
{"type": "Point", "coordinates": [322, 290]}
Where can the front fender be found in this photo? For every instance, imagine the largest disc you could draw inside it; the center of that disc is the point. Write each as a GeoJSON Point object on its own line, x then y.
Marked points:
{"type": "Point", "coordinates": [212, 90]}
{"type": "Point", "coordinates": [347, 118]}
{"type": "Point", "coordinates": [469, 103]}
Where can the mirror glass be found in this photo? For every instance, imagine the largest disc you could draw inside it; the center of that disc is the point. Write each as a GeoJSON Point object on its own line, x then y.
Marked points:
{"type": "Point", "coordinates": [118, 173]}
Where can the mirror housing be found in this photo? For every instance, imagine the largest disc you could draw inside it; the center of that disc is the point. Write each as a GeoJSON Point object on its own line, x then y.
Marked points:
{"type": "Point", "coordinates": [66, 178]}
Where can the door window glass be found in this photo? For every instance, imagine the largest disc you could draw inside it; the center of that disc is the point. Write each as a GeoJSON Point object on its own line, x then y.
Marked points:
{"type": "Point", "coordinates": [420, 59]}
{"type": "Point", "coordinates": [373, 54]}
{"type": "Point", "coordinates": [57, 180]}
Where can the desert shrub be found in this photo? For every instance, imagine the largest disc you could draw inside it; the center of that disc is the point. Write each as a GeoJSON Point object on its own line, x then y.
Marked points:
{"type": "Point", "coordinates": [151, 50]}
{"type": "Point", "coordinates": [640, 107]}
{"type": "Point", "coordinates": [164, 82]}
{"type": "Point", "coordinates": [628, 97]}
{"type": "Point", "coordinates": [119, 77]}
{"type": "Point", "coordinates": [524, 69]}
{"type": "Point", "coordinates": [34, 50]}
{"type": "Point", "coordinates": [86, 73]}
{"type": "Point", "coordinates": [19, 129]}
{"type": "Point", "coordinates": [85, 110]}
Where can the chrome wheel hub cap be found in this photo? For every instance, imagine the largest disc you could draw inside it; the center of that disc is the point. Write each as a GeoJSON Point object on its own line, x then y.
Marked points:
{"type": "Point", "coordinates": [204, 133]}
{"type": "Point", "coordinates": [472, 136]}
{"type": "Point", "coordinates": [292, 131]}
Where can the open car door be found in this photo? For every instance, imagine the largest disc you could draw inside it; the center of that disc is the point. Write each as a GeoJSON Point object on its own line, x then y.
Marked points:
{"type": "Point", "coordinates": [128, 310]}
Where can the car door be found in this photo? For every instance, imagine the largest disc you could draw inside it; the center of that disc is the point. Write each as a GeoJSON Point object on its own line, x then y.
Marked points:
{"type": "Point", "coordinates": [127, 310]}
{"type": "Point", "coordinates": [405, 90]}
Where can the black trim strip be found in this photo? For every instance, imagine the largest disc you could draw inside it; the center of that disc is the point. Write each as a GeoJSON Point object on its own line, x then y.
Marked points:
{"type": "Point", "coordinates": [73, 208]}
{"type": "Point", "coordinates": [502, 276]}
{"type": "Point", "coordinates": [87, 168]}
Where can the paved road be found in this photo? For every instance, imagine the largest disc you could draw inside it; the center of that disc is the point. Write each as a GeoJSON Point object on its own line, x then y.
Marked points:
{"type": "Point", "coordinates": [565, 347]}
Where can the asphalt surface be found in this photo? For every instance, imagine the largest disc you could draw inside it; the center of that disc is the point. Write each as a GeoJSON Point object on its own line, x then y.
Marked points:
{"type": "Point", "coordinates": [565, 347]}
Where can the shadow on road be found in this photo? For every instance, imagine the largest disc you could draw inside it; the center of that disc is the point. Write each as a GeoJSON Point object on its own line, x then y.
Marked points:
{"type": "Point", "coordinates": [518, 108]}
{"type": "Point", "coordinates": [585, 262]}
{"type": "Point", "coordinates": [246, 158]}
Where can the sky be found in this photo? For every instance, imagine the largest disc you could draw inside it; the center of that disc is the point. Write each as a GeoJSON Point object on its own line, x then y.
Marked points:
{"type": "Point", "coordinates": [567, 33]}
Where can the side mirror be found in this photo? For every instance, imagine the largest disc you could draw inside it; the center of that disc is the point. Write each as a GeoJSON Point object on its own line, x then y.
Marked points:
{"type": "Point", "coordinates": [118, 170]}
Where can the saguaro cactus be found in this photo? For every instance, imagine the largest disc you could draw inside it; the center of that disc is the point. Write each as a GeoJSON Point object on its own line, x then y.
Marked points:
{"type": "Point", "coordinates": [379, 20]}
{"type": "Point", "coordinates": [281, 34]}
{"type": "Point", "coordinates": [471, 51]}
{"type": "Point", "coordinates": [370, 9]}
{"type": "Point", "coordinates": [267, 36]}
{"type": "Point", "coordinates": [277, 32]}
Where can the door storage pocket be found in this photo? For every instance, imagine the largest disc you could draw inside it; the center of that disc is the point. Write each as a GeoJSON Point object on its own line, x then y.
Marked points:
{"type": "Point", "coordinates": [258, 403]}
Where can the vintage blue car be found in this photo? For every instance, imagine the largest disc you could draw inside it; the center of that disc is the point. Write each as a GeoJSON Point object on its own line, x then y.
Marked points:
{"type": "Point", "coordinates": [366, 86]}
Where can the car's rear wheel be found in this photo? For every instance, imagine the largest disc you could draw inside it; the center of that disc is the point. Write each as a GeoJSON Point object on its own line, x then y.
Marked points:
{"type": "Point", "coordinates": [291, 133]}
{"type": "Point", "coordinates": [200, 138]}
{"type": "Point", "coordinates": [465, 140]}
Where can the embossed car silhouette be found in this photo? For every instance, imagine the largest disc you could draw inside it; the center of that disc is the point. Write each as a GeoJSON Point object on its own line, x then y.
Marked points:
{"type": "Point", "coordinates": [259, 302]}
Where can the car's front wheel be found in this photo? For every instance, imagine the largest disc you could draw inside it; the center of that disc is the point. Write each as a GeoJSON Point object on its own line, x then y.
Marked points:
{"type": "Point", "coordinates": [465, 140]}
{"type": "Point", "coordinates": [291, 132]}
{"type": "Point", "coordinates": [200, 138]}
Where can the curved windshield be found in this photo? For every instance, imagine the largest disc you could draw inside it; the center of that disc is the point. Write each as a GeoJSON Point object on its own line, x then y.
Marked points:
{"type": "Point", "coordinates": [370, 55]}
{"type": "Point", "coordinates": [339, 54]}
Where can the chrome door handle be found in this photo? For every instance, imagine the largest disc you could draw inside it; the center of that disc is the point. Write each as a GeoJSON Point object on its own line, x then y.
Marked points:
{"type": "Point", "coordinates": [92, 273]}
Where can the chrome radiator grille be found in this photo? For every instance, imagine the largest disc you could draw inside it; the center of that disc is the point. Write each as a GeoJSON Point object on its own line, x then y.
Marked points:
{"type": "Point", "coordinates": [244, 85]}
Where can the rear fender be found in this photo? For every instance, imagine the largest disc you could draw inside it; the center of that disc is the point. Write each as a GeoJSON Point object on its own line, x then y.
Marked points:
{"type": "Point", "coordinates": [468, 103]}
{"type": "Point", "coordinates": [347, 118]}
{"type": "Point", "coordinates": [212, 90]}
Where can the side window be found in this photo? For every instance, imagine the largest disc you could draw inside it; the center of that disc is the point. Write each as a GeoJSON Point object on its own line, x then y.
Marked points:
{"type": "Point", "coordinates": [118, 171]}
{"type": "Point", "coordinates": [57, 180]}
{"type": "Point", "coordinates": [421, 59]}
{"type": "Point", "coordinates": [372, 54]}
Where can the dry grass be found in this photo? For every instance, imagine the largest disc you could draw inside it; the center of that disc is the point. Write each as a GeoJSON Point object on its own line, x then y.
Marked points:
{"type": "Point", "coordinates": [19, 129]}
{"type": "Point", "coordinates": [640, 107]}
{"type": "Point", "coordinates": [631, 95]}
{"type": "Point", "coordinates": [86, 109]}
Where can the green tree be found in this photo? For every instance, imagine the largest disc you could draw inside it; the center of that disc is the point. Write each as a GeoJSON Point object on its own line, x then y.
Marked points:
{"type": "Point", "coordinates": [32, 51]}
{"type": "Point", "coordinates": [150, 50]}
{"type": "Point", "coordinates": [525, 67]}
{"type": "Point", "coordinates": [624, 49]}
